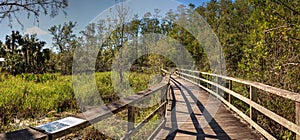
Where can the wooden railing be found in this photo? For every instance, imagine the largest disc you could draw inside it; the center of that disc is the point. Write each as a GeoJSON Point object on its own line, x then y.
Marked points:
{"type": "Point", "coordinates": [106, 111]}
{"type": "Point", "coordinates": [224, 83]}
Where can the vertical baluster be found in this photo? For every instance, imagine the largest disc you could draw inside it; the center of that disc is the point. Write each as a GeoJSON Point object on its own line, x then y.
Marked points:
{"type": "Point", "coordinates": [200, 76]}
{"type": "Point", "coordinates": [166, 99]}
{"type": "Point", "coordinates": [180, 73]}
{"type": "Point", "coordinates": [230, 87]}
{"type": "Point", "coordinates": [196, 74]}
{"type": "Point", "coordinates": [131, 117]}
{"type": "Point", "coordinates": [207, 76]}
{"type": "Point", "coordinates": [217, 88]}
{"type": "Point", "coordinates": [297, 107]}
{"type": "Point", "coordinates": [250, 92]}
{"type": "Point", "coordinates": [253, 115]}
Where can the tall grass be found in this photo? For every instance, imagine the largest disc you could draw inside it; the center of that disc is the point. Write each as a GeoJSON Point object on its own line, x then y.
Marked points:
{"type": "Point", "coordinates": [33, 96]}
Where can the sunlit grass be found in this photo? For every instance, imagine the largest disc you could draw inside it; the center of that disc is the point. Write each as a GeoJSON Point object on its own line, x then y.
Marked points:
{"type": "Point", "coordinates": [34, 96]}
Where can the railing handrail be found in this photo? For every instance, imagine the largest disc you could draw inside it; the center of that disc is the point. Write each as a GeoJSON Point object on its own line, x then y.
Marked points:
{"type": "Point", "coordinates": [295, 127]}
{"type": "Point", "coordinates": [280, 92]}
{"type": "Point", "coordinates": [101, 113]}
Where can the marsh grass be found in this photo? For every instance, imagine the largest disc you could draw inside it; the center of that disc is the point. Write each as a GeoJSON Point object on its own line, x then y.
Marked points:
{"type": "Point", "coordinates": [30, 96]}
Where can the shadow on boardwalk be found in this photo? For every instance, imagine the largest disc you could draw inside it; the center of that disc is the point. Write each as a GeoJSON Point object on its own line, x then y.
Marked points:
{"type": "Point", "coordinates": [188, 111]}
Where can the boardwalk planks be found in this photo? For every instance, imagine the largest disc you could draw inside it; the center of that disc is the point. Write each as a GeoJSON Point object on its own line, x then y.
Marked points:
{"type": "Point", "coordinates": [293, 126]}
{"type": "Point", "coordinates": [187, 118]}
{"type": "Point", "coordinates": [297, 107]}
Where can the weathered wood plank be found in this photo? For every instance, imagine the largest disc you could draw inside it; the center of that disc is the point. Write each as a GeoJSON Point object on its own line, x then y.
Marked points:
{"type": "Point", "coordinates": [282, 121]}
{"type": "Point", "coordinates": [253, 98]}
{"type": "Point", "coordinates": [91, 116]}
{"type": "Point", "coordinates": [69, 130]}
{"type": "Point", "coordinates": [230, 88]}
{"type": "Point", "coordinates": [134, 130]}
{"type": "Point", "coordinates": [224, 125]}
{"type": "Point", "coordinates": [280, 92]}
{"type": "Point", "coordinates": [245, 117]}
{"type": "Point", "coordinates": [24, 134]}
{"type": "Point", "coordinates": [131, 118]}
{"type": "Point", "coordinates": [105, 111]}
{"type": "Point", "coordinates": [240, 113]}
{"type": "Point", "coordinates": [297, 113]}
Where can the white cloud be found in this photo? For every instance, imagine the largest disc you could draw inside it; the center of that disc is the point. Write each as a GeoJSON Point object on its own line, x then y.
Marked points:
{"type": "Point", "coordinates": [35, 30]}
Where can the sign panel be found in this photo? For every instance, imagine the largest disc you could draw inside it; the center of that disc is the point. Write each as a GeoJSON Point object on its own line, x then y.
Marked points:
{"type": "Point", "coordinates": [59, 125]}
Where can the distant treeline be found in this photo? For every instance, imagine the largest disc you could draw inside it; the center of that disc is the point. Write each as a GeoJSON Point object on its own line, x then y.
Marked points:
{"type": "Point", "coordinates": [260, 41]}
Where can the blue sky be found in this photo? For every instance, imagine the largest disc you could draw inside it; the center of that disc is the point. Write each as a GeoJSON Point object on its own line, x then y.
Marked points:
{"type": "Point", "coordinates": [83, 12]}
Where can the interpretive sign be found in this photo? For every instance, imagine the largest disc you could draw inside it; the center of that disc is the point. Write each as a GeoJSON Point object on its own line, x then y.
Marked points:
{"type": "Point", "coordinates": [59, 125]}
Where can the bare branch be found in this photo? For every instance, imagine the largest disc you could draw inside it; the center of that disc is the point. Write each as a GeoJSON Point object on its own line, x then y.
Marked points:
{"type": "Point", "coordinates": [35, 7]}
{"type": "Point", "coordinates": [284, 26]}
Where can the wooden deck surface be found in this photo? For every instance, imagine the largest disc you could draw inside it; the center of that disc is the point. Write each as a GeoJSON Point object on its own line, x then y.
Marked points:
{"type": "Point", "coordinates": [194, 114]}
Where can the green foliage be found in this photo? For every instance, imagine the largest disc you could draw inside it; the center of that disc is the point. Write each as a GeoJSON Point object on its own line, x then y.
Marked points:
{"type": "Point", "coordinates": [63, 36]}
{"type": "Point", "coordinates": [39, 77]}
{"type": "Point", "coordinates": [65, 41]}
{"type": "Point", "coordinates": [30, 96]}
{"type": "Point", "coordinates": [24, 54]}
{"type": "Point", "coordinates": [261, 42]}
{"type": "Point", "coordinates": [117, 124]}
{"type": "Point", "coordinates": [33, 96]}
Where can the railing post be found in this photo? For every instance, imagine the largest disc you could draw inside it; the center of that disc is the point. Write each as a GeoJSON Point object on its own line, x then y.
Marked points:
{"type": "Point", "coordinates": [163, 95]}
{"type": "Point", "coordinates": [165, 98]}
{"type": "Point", "coordinates": [200, 76]}
{"type": "Point", "coordinates": [230, 88]}
{"type": "Point", "coordinates": [131, 117]}
{"type": "Point", "coordinates": [297, 112]}
{"type": "Point", "coordinates": [250, 92]}
{"type": "Point", "coordinates": [253, 115]}
{"type": "Point", "coordinates": [207, 78]}
{"type": "Point", "coordinates": [196, 74]}
{"type": "Point", "coordinates": [217, 89]}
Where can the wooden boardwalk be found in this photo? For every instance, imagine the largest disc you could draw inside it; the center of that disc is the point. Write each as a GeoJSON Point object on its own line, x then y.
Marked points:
{"type": "Point", "coordinates": [194, 114]}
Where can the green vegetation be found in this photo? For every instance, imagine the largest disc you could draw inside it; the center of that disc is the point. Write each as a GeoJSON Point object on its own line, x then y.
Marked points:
{"type": "Point", "coordinates": [33, 96]}
{"type": "Point", "coordinates": [260, 40]}
{"type": "Point", "coordinates": [116, 126]}
{"type": "Point", "coordinates": [261, 43]}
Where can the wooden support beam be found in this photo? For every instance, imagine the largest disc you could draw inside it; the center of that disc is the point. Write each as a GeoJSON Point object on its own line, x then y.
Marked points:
{"type": "Point", "coordinates": [163, 99]}
{"type": "Point", "coordinates": [254, 107]}
{"type": "Point", "coordinates": [253, 96]}
{"type": "Point", "coordinates": [297, 107]}
{"type": "Point", "coordinates": [230, 88]}
{"type": "Point", "coordinates": [200, 76]}
{"type": "Point", "coordinates": [131, 117]}
{"type": "Point", "coordinates": [92, 116]}
{"type": "Point", "coordinates": [207, 78]}
{"type": "Point", "coordinates": [217, 88]}
{"type": "Point", "coordinates": [24, 134]}
{"type": "Point", "coordinates": [251, 109]}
